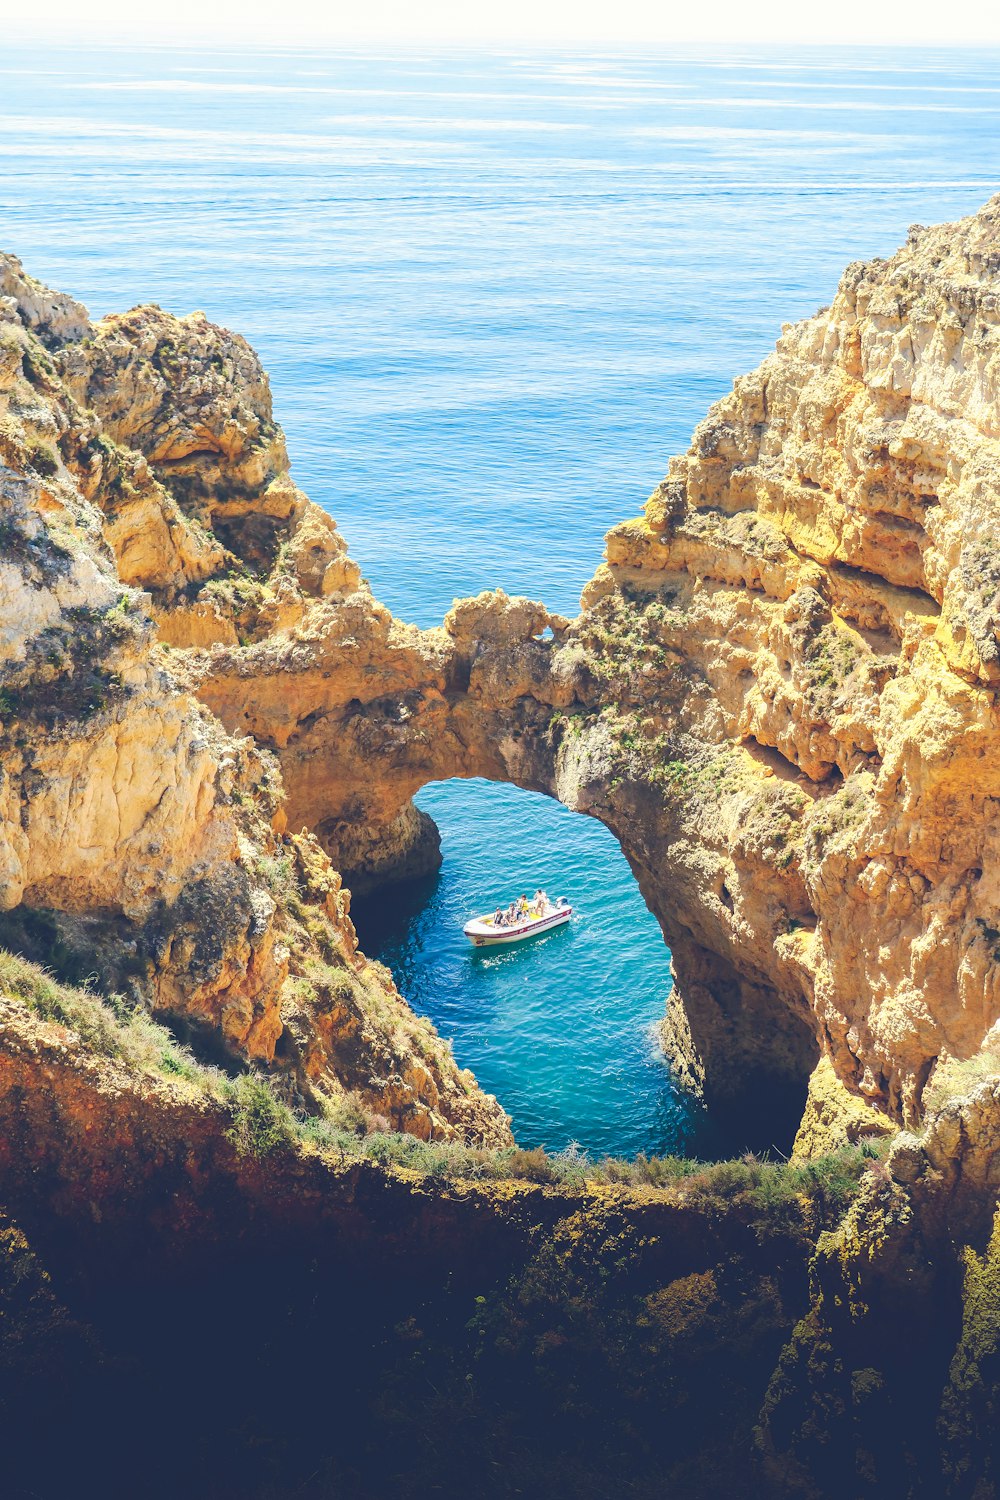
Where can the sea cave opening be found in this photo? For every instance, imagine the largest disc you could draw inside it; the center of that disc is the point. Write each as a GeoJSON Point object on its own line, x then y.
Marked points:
{"type": "Point", "coordinates": [563, 1029]}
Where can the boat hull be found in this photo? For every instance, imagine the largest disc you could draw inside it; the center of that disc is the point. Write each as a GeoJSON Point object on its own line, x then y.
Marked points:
{"type": "Point", "coordinates": [483, 934]}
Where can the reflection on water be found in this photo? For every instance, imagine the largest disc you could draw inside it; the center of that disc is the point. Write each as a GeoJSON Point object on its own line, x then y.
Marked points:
{"type": "Point", "coordinates": [490, 960]}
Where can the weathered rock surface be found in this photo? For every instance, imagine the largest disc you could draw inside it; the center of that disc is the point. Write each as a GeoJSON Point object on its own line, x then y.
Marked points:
{"type": "Point", "coordinates": [139, 842]}
{"type": "Point", "coordinates": [827, 541]}
{"type": "Point", "coordinates": [565, 1337]}
{"type": "Point", "coordinates": [718, 1331]}
{"type": "Point", "coordinates": [780, 694]}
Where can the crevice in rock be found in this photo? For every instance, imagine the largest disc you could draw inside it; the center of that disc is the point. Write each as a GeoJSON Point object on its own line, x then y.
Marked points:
{"type": "Point", "coordinates": [255, 539]}
{"type": "Point", "coordinates": [903, 600]}
{"type": "Point", "coordinates": [781, 765]}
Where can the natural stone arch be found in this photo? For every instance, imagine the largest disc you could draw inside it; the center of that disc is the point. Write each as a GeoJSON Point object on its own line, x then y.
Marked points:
{"type": "Point", "coordinates": [402, 706]}
{"type": "Point", "coordinates": [508, 692]}
{"type": "Point", "coordinates": [781, 686]}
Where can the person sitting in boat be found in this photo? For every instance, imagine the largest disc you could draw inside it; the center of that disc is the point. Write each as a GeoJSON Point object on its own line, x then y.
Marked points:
{"type": "Point", "coordinates": [498, 918]}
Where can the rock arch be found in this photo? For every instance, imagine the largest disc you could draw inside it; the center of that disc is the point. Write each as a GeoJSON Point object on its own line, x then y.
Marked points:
{"type": "Point", "coordinates": [780, 693]}
{"type": "Point", "coordinates": [506, 691]}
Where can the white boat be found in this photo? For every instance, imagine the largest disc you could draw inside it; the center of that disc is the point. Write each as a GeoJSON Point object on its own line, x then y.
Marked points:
{"type": "Point", "coordinates": [486, 932]}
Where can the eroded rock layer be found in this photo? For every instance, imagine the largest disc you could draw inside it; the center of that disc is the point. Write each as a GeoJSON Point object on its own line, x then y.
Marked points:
{"type": "Point", "coordinates": [780, 694]}
{"type": "Point", "coordinates": [140, 844]}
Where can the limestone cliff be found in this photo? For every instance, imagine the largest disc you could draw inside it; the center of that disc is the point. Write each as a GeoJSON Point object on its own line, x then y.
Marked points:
{"type": "Point", "coordinates": [750, 1328]}
{"type": "Point", "coordinates": [139, 843]}
{"type": "Point", "coordinates": [827, 543]}
{"type": "Point", "coordinates": [780, 694]}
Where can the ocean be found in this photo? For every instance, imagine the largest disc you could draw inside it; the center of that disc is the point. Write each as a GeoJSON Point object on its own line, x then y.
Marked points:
{"type": "Point", "coordinates": [494, 293]}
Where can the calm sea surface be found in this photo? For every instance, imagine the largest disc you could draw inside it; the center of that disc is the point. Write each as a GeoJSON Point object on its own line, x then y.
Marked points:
{"type": "Point", "coordinates": [494, 294]}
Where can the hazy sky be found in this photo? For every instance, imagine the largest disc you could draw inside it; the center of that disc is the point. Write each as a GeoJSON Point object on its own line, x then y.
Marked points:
{"type": "Point", "coordinates": [564, 22]}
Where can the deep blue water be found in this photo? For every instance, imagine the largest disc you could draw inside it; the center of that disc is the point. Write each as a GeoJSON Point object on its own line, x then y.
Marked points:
{"type": "Point", "coordinates": [494, 294]}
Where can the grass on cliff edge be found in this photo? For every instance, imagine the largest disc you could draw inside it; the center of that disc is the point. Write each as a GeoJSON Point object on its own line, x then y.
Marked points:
{"type": "Point", "coordinates": [106, 1026]}
{"type": "Point", "coordinates": [261, 1124]}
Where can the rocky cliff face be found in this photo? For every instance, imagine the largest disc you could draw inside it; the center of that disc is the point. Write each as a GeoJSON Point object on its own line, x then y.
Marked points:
{"type": "Point", "coordinates": [139, 843]}
{"type": "Point", "coordinates": [780, 694]}
{"type": "Point", "coordinates": [827, 542]}
{"type": "Point", "coordinates": [237, 1308]}
{"type": "Point", "coordinates": [730, 1330]}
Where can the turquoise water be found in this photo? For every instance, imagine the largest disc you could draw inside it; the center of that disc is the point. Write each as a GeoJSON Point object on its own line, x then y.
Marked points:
{"type": "Point", "coordinates": [561, 1029]}
{"type": "Point", "coordinates": [494, 287]}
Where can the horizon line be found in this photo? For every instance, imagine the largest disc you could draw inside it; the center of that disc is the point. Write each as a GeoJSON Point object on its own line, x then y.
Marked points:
{"type": "Point", "coordinates": [384, 46]}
